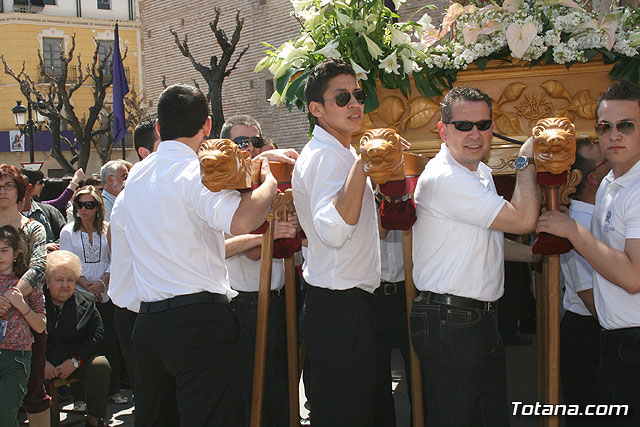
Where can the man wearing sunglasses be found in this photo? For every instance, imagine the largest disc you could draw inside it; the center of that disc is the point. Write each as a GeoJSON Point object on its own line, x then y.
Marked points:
{"type": "Point", "coordinates": [458, 258]}
{"type": "Point", "coordinates": [168, 227]}
{"type": "Point", "coordinates": [336, 209]}
{"type": "Point", "coordinates": [243, 254]}
{"type": "Point", "coordinates": [613, 250]}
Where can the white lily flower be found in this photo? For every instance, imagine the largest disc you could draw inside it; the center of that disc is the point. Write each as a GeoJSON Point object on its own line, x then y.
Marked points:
{"type": "Point", "coordinates": [330, 50]}
{"type": "Point", "coordinates": [343, 19]}
{"type": "Point", "coordinates": [519, 38]}
{"type": "Point", "coordinates": [263, 63]}
{"type": "Point", "coordinates": [275, 98]}
{"type": "Point", "coordinates": [408, 64]}
{"type": "Point", "coordinates": [390, 64]}
{"type": "Point", "coordinates": [308, 14]}
{"type": "Point", "coordinates": [374, 49]}
{"type": "Point", "coordinates": [288, 52]}
{"type": "Point", "coordinates": [398, 3]}
{"type": "Point", "coordinates": [398, 37]}
{"type": "Point", "coordinates": [306, 43]}
{"type": "Point", "coordinates": [361, 73]}
{"type": "Point", "coordinates": [299, 5]}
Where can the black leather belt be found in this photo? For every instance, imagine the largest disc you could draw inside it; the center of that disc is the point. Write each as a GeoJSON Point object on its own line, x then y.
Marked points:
{"type": "Point", "coordinates": [456, 301]}
{"type": "Point", "coordinates": [182, 300]}
{"type": "Point", "coordinates": [389, 288]}
{"type": "Point", "coordinates": [621, 336]}
{"type": "Point", "coordinates": [254, 295]}
{"type": "Point", "coordinates": [353, 292]}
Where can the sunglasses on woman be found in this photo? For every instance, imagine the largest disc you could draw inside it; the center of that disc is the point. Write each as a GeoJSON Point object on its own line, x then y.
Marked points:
{"type": "Point", "coordinates": [86, 205]}
{"type": "Point", "coordinates": [466, 126]}
{"type": "Point", "coordinates": [625, 127]}
{"type": "Point", "coordinates": [243, 141]}
{"type": "Point", "coordinates": [343, 98]}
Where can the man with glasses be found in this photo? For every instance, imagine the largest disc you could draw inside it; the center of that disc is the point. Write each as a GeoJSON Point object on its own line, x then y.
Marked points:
{"type": "Point", "coordinates": [336, 208]}
{"type": "Point", "coordinates": [458, 258]}
{"type": "Point", "coordinates": [579, 329]}
{"type": "Point", "coordinates": [242, 255]}
{"type": "Point", "coordinates": [113, 174]}
{"type": "Point", "coordinates": [613, 250]}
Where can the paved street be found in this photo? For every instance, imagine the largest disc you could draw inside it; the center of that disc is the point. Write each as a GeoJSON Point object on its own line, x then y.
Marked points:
{"type": "Point", "coordinates": [521, 376]}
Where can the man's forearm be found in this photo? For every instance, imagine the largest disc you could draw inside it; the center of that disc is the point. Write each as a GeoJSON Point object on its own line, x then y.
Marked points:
{"type": "Point", "coordinates": [525, 197]}
{"type": "Point", "coordinates": [348, 201]}
{"type": "Point", "coordinates": [254, 207]}
{"type": "Point", "coordinates": [517, 252]}
{"type": "Point", "coordinates": [239, 244]}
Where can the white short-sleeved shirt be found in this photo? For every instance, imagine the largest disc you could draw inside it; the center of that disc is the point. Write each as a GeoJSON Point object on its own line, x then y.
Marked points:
{"type": "Point", "coordinates": [577, 272]}
{"type": "Point", "coordinates": [616, 218]}
{"type": "Point", "coordinates": [244, 273]}
{"type": "Point", "coordinates": [339, 255]}
{"type": "Point", "coordinates": [167, 231]}
{"type": "Point", "coordinates": [454, 251]}
{"type": "Point", "coordinates": [392, 257]}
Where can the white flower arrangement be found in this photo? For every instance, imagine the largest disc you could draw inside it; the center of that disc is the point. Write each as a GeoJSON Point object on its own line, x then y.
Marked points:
{"type": "Point", "coordinates": [367, 34]}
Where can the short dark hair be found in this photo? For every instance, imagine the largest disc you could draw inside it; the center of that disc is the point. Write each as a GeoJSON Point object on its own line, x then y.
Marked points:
{"type": "Point", "coordinates": [54, 187]}
{"type": "Point", "coordinates": [240, 119]}
{"type": "Point", "coordinates": [462, 93]}
{"type": "Point", "coordinates": [182, 111]}
{"type": "Point", "coordinates": [319, 77]}
{"type": "Point", "coordinates": [14, 173]}
{"type": "Point", "coordinates": [621, 90]}
{"type": "Point", "coordinates": [145, 135]}
{"type": "Point", "coordinates": [583, 164]}
{"type": "Point", "coordinates": [32, 176]}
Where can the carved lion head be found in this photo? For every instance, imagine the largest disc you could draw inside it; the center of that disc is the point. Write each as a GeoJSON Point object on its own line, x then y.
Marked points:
{"type": "Point", "coordinates": [224, 166]}
{"type": "Point", "coordinates": [554, 145]}
{"type": "Point", "coordinates": [382, 157]}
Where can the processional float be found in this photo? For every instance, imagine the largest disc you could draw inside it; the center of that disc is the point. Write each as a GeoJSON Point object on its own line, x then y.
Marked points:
{"type": "Point", "coordinates": [224, 166]}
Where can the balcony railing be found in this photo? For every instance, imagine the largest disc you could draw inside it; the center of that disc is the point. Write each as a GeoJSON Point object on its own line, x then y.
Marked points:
{"type": "Point", "coordinates": [73, 76]}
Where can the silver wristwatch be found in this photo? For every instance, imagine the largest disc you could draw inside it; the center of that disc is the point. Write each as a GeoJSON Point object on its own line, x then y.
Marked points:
{"type": "Point", "coordinates": [522, 162]}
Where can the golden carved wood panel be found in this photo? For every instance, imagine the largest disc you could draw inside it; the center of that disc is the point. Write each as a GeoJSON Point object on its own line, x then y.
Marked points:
{"type": "Point", "coordinates": [520, 96]}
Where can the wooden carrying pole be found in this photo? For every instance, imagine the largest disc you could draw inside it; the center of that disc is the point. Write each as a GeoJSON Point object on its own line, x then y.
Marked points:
{"type": "Point", "coordinates": [292, 341]}
{"type": "Point", "coordinates": [550, 300]}
{"type": "Point", "coordinates": [261, 328]}
{"type": "Point", "coordinates": [411, 292]}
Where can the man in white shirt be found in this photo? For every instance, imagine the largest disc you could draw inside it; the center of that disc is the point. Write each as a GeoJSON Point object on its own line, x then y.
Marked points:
{"type": "Point", "coordinates": [168, 233]}
{"type": "Point", "coordinates": [243, 255]}
{"type": "Point", "coordinates": [458, 254]}
{"type": "Point", "coordinates": [613, 250]}
{"type": "Point", "coordinates": [335, 206]}
{"type": "Point", "coordinates": [579, 329]}
{"type": "Point", "coordinates": [113, 174]}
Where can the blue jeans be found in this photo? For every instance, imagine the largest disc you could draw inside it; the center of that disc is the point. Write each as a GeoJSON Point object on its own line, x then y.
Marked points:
{"type": "Point", "coordinates": [463, 364]}
{"type": "Point", "coordinates": [15, 367]}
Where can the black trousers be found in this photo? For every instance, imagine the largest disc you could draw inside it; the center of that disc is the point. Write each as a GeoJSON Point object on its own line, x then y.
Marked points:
{"type": "Point", "coordinates": [390, 313]}
{"type": "Point", "coordinates": [276, 386]}
{"type": "Point", "coordinates": [618, 376]}
{"type": "Point", "coordinates": [579, 358]}
{"type": "Point", "coordinates": [111, 348]}
{"type": "Point", "coordinates": [124, 322]}
{"type": "Point", "coordinates": [187, 367]}
{"type": "Point", "coordinates": [339, 333]}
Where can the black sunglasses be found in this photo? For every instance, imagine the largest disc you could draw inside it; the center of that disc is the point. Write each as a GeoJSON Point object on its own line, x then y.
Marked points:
{"type": "Point", "coordinates": [625, 127]}
{"type": "Point", "coordinates": [343, 98]}
{"type": "Point", "coordinates": [243, 141]}
{"type": "Point", "coordinates": [466, 125]}
{"type": "Point", "coordinates": [86, 205]}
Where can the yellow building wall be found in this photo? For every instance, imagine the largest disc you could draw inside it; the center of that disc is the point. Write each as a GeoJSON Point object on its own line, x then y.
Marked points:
{"type": "Point", "coordinates": [20, 40]}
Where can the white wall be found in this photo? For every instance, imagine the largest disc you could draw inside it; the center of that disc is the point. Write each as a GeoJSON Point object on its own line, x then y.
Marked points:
{"type": "Point", "coordinates": [89, 9]}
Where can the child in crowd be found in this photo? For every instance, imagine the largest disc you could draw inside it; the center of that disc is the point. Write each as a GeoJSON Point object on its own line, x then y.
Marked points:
{"type": "Point", "coordinates": [15, 333]}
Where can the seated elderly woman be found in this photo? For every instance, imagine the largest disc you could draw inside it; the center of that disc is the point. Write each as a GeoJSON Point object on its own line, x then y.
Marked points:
{"type": "Point", "coordinates": [75, 334]}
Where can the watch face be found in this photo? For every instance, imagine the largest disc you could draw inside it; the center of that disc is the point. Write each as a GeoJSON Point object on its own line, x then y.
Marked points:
{"type": "Point", "coordinates": [521, 162]}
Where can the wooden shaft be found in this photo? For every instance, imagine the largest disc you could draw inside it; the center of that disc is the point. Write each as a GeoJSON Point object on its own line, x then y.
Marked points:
{"type": "Point", "coordinates": [553, 197]}
{"type": "Point", "coordinates": [261, 328]}
{"type": "Point", "coordinates": [411, 292]}
{"type": "Point", "coordinates": [292, 340]}
{"type": "Point", "coordinates": [540, 331]}
{"type": "Point", "coordinates": [553, 335]}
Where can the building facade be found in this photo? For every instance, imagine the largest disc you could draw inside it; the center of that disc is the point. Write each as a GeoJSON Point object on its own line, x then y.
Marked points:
{"type": "Point", "coordinates": [29, 26]}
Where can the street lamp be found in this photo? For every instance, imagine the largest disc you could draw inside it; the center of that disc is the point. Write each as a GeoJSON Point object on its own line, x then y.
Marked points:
{"type": "Point", "coordinates": [23, 117]}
